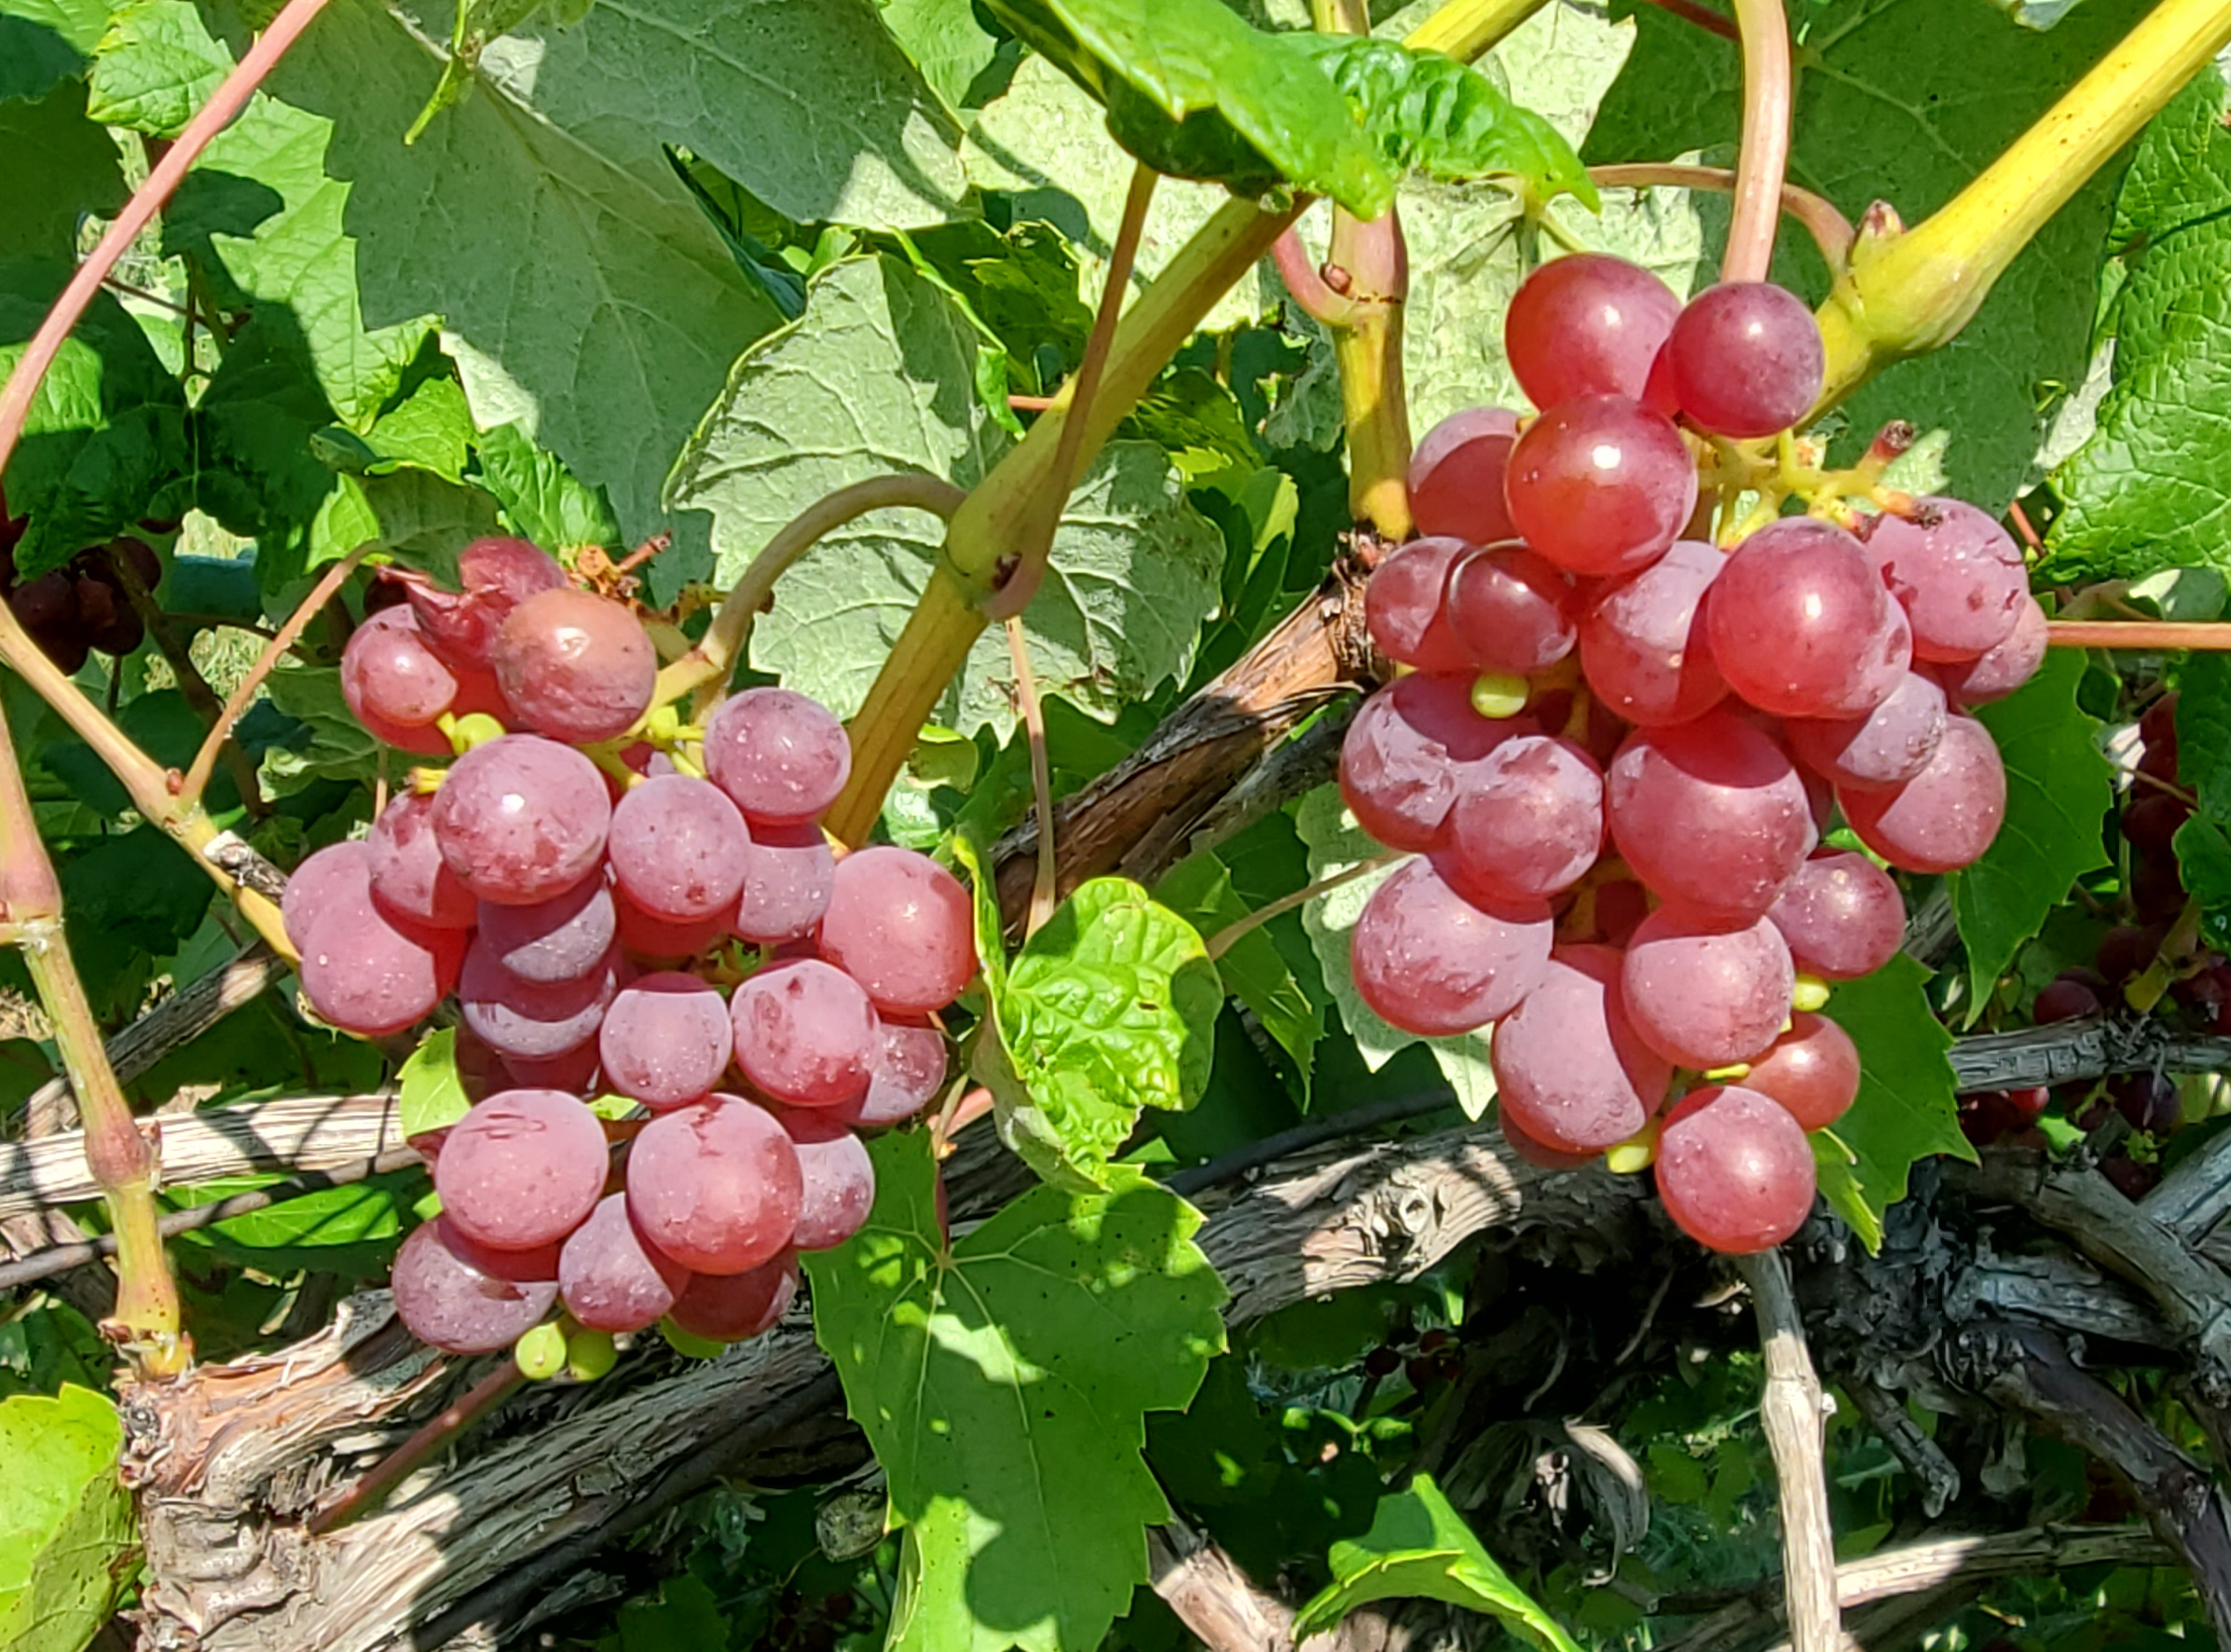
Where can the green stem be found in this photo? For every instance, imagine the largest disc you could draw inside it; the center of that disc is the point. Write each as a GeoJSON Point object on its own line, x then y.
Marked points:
{"type": "Point", "coordinates": [1044, 881]}
{"type": "Point", "coordinates": [1464, 29]}
{"type": "Point", "coordinates": [1764, 154]}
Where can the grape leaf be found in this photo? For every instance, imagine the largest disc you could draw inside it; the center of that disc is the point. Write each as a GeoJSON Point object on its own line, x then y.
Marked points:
{"type": "Point", "coordinates": [1419, 1546]}
{"type": "Point", "coordinates": [155, 67]}
{"type": "Point", "coordinates": [2204, 867]}
{"type": "Point", "coordinates": [411, 515]}
{"type": "Point", "coordinates": [430, 1094]}
{"type": "Point", "coordinates": [337, 747]}
{"type": "Point", "coordinates": [539, 498]}
{"type": "Point", "coordinates": [2204, 732]}
{"type": "Point", "coordinates": [945, 41]}
{"type": "Point", "coordinates": [2058, 786]}
{"type": "Point", "coordinates": [76, 172]}
{"type": "Point", "coordinates": [45, 42]}
{"type": "Point", "coordinates": [1200, 890]}
{"type": "Point", "coordinates": [1906, 101]}
{"type": "Point", "coordinates": [878, 376]}
{"type": "Point", "coordinates": [350, 1231]}
{"type": "Point", "coordinates": [1337, 843]}
{"type": "Point", "coordinates": [1003, 1381]}
{"type": "Point", "coordinates": [1109, 1008]}
{"type": "Point", "coordinates": [65, 1519]}
{"type": "Point", "coordinates": [1906, 1110]}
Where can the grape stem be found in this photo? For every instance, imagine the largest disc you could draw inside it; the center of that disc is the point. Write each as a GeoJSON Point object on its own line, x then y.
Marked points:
{"type": "Point", "coordinates": [147, 1319]}
{"type": "Point", "coordinates": [710, 662]}
{"type": "Point", "coordinates": [1231, 934]}
{"type": "Point", "coordinates": [370, 1492]}
{"type": "Point", "coordinates": [1464, 29]}
{"type": "Point", "coordinates": [1306, 283]}
{"type": "Point", "coordinates": [1043, 883]}
{"type": "Point", "coordinates": [1764, 155]}
{"type": "Point", "coordinates": [1688, 11]}
{"type": "Point", "coordinates": [1790, 1411]}
{"type": "Point", "coordinates": [1830, 230]}
{"type": "Point", "coordinates": [2151, 636]}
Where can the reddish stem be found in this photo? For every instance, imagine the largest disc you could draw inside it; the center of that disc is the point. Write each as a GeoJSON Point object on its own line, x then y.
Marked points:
{"type": "Point", "coordinates": [1690, 11]}
{"type": "Point", "coordinates": [1306, 281]}
{"type": "Point", "coordinates": [384, 1476]}
{"type": "Point", "coordinates": [1767, 98]}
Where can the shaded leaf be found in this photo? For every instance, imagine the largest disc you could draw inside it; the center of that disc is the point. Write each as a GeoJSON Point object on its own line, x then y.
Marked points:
{"type": "Point", "coordinates": [45, 42]}
{"type": "Point", "coordinates": [1200, 890]}
{"type": "Point", "coordinates": [76, 172]}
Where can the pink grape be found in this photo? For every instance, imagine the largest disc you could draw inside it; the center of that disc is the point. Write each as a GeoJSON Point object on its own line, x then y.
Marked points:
{"type": "Point", "coordinates": [1570, 1069]}
{"type": "Point", "coordinates": [1704, 994]}
{"type": "Point", "coordinates": [1734, 1170]}
{"type": "Point", "coordinates": [560, 939]}
{"type": "Point", "coordinates": [1528, 820]}
{"type": "Point", "coordinates": [678, 847]}
{"type": "Point", "coordinates": [1800, 624]}
{"type": "Point", "coordinates": [409, 879]}
{"type": "Point", "coordinates": [1945, 817]}
{"type": "Point", "coordinates": [908, 1072]}
{"type": "Point", "coordinates": [464, 1299]}
{"type": "Point", "coordinates": [1510, 610]}
{"type": "Point", "coordinates": [1400, 758]}
{"type": "Point", "coordinates": [576, 1071]}
{"type": "Point", "coordinates": [495, 577]}
{"type": "Point", "coordinates": [2000, 671]}
{"type": "Point", "coordinates": [426, 742]}
{"type": "Point", "coordinates": [1587, 324]}
{"type": "Point", "coordinates": [1959, 575]}
{"type": "Point", "coordinates": [780, 757]}
{"type": "Point", "coordinates": [837, 1176]}
{"type": "Point", "coordinates": [788, 879]}
{"type": "Point", "coordinates": [736, 1307]}
{"type": "Point", "coordinates": [574, 665]}
{"type": "Point", "coordinates": [1456, 480]}
{"type": "Point", "coordinates": [533, 1020]}
{"type": "Point", "coordinates": [1533, 1150]}
{"type": "Point", "coordinates": [1709, 812]}
{"type": "Point", "coordinates": [338, 874]}
{"type": "Point", "coordinates": [389, 672]}
{"type": "Point", "coordinates": [610, 1278]}
{"type": "Point", "coordinates": [522, 819]}
{"type": "Point", "coordinates": [1813, 1070]}
{"type": "Point", "coordinates": [1643, 645]}
{"type": "Point", "coordinates": [1841, 915]}
{"type": "Point", "coordinates": [1405, 605]}
{"type": "Point", "coordinates": [714, 1187]}
{"type": "Point", "coordinates": [1428, 962]}
{"type": "Point", "coordinates": [903, 927]}
{"type": "Point", "coordinates": [1745, 359]}
{"type": "Point", "coordinates": [654, 939]}
{"type": "Point", "coordinates": [522, 1169]}
{"type": "Point", "coordinates": [1601, 485]}
{"type": "Point", "coordinates": [666, 1041]}
{"type": "Point", "coordinates": [806, 1033]}
{"type": "Point", "coordinates": [371, 975]}
{"type": "Point", "coordinates": [1886, 746]}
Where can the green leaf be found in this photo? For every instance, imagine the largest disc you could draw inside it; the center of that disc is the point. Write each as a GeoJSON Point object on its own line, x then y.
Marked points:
{"type": "Point", "coordinates": [429, 429]}
{"type": "Point", "coordinates": [76, 172]}
{"type": "Point", "coordinates": [2204, 732]}
{"type": "Point", "coordinates": [65, 1520]}
{"type": "Point", "coordinates": [1004, 1381]}
{"type": "Point", "coordinates": [431, 1095]}
{"type": "Point", "coordinates": [412, 515]}
{"type": "Point", "coordinates": [879, 376]}
{"type": "Point", "coordinates": [45, 42]}
{"type": "Point", "coordinates": [539, 498]}
{"type": "Point", "coordinates": [1906, 1109]}
{"type": "Point", "coordinates": [1110, 1007]}
{"type": "Point", "coordinates": [337, 747]}
{"type": "Point", "coordinates": [1335, 842]}
{"type": "Point", "coordinates": [155, 67]}
{"type": "Point", "coordinates": [1192, 90]}
{"type": "Point", "coordinates": [1419, 1546]}
{"type": "Point", "coordinates": [990, 932]}
{"type": "Point", "coordinates": [2058, 787]}
{"type": "Point", "coordinates": [1200, 890]}
{"type": "Point", "coordinates": [2204, 865]}
{"type": "Point", "coordinates": [945, 41]}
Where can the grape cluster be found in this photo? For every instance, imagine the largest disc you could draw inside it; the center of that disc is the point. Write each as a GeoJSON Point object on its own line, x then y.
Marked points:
{"type": "Point", "coordinates": [1585, 668]}
{"type": "Point", "coordinates": [581, 912]}
{"type": "Point", "coordinates": [80, 607]}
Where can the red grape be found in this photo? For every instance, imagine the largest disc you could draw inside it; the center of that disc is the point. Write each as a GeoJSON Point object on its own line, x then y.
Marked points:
{"type": "Point", "coordinates": [1744, 359]}
{"type": "Point", "coordinates": [678, 847]}
{"type": "Point", "coordinates": [388, 672]}
{"type": "Point", "coordinates": [576, 1071]}
{"type": "Point", "coordinates": [574, 665]}
{"type": "Point", "coordinates": [533, 1019]}
{"type": "Point", "coordinates": [909, 1069]}
{"type": "Point", "coordinates": [1998, 673]}
{"type": "Point", "coordinates": [1457, 475]}
{"type": "Point", "coordinates": [736, 1307]}
{"type": "Point", "coordinates": [2149, 1100]}
{"type": "Point", "coordinates": [1841, 916]}
{"type": "Point", "coordinates": [1959, 574]}
{"type": "Point", "coordinates": [2150, 823]}
{"type": "Point", "coordinates": [1643, 644]}
{"type": "Point", "coordinates": [1735, 1170]}
{"type": "Point", "coordinates": [1570, 1072]}
{"type": "Point", "coordinates": [1704, 994]}
{"type": "Point", "coordinates": [1709, 812]}
{"type": "Point", "coordinates": [714, 1187]}
{"type": "Point", "coordinates": [560, 939]}
{"type": "Point", "coordinates": [1539, 1154]}
{"type": "Point", "coordinates": [1813, 1070]}
{"type": "Point", "coordinates": [522, 819]}
{"type": "Point", "coordinates": [1510, 610]}
{"type": "Point", "coordinates": [1945, 817]}
{"type": "Point", "coordinates": [780, 757]}
{"type": "Point", "coordinates": [903, 927]}
{"type": "Point", "coordinates": [1883, 747]}
{"type": "Point", "coordinates": [464, 1299]}
{"type": "Point", "coordinates": [1587, 324]}
{"type": "Point", "coordinates": [660, 940]}
{"type": "Point", "coordinates": [338, 874]}
{"type": "Point", "coordinates": [409, 879]}
{"type": "Point", "coordinates": [1800, 625]}
{"type": "Point", "coordinates": [806, 1033]}
{"type": "Point", "coordinates": [1402, 757]}
{"type": "Point", "coordinates": [611, 1277]}
{"type": "Point", "coordinates": [523, 1169]}
{"type": "Point", "coordinates": [837, 1176]}
{"type": "Point", "coordinates": [1601, 485]}
{"type": "Point", "coordinates": [1430, 962]}
{"type": "Point", "coordinates": [665, 1039]}
{"type": "Point", "coordinates": [1528, 819]}
{"type": "Point", "coordinates": [1405, 605]}
{"type": "Point", "coordinates": [495, 576]}
{"type": "Point", "coordinates": [788, 879]}
{"type": "Point", "coordinates": [2063, 1001]}
{"type": "Point", "coordinates": [371, 974]}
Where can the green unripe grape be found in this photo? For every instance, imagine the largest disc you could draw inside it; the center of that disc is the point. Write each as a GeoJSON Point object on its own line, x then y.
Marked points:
{"type": "Point", "coordinates": [589, 1355]}
{"type": "Point", "coordinates": [540, 1352]}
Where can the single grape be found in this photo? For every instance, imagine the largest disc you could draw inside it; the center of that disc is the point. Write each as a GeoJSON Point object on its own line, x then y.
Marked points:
{"type": "Point", "coordinates": [2157, 888]}
{"type": "Point", "coordinates": [736, 1307]}
{"type": "Point", "coordinates": [371, 974]}
{"type": "Point", "coordinates": [1841, 915]}
{"type": "Point", "coordinates": [1535, 1152]}
{"type": "Point", "coordinates": [1457, 476]}
{"type": "Point", "coordinates": [2151, 821]}
{"type": "Point", "coordinates": [1570, 1072]}
{"type": "Point", "coordinates": [908, 1072]}
{"type": "Point", "coordinates": [652, 940]}
{"type": "Point", "coordinates": [2000, 671]}
{"type": "Point", "coordinates": [2063, 1001]}
{"type": "Point", "coordinates": [1643, 644]}
{"type": "Point", "coordinates": [560, 939]}
{"type": "Point", "coordinates": [1710, 814]}
{"type": "Point", "coordinates": [666, 1041]}
{"type": "Point", "coordinates": [610, 1278]}
{"type": "Point", "coordinates": [1800, 624]}
{"type": "Point", "coordinates": [838, 1177]}
{"type": "Point", "coordinates": [789, 877]}
{"type": "Point", "coordinates": [678, 847]}
{"type": "Point", "coordinates": [1587, 324]}
{"type": "Point", "coordinates": [533, 1020]}
{"type": "Point", "coordinates": [1400, 759]}
{"type": "Point", "coordinates": [714, 1187]}
{"type": "Point", "coordinates": [780, 757]}
{"type": "Point", "coordinates": [1601, 485]}
{"type": "Point", "coordinates": [1704, 994]}
{"type": "Point", "coordinates": [806, 1033]}
{"type": "Point", "coordinates": [1510, 610]}
{"type": "Point", "coordinates": [1884, 748]}
{"type": "Point", "coordinates": [1813, 1070]}
{"type": "Point", "coordinates": [424, 742]}
{"type": "Point", "coordinates": [1735, 1170]}
{"type": "Point", "coordinates": [1528, 820]}
{"type": "Point", "coordinates": [2149, 1100]}
{"type": "Point", "coordinates": [577, 1072]}
{"type": "Point", "coordinates": [1405, 605]}
{"type": "Point", "coordinates": [1745, 359]}
{"type": "Point", "coordinates": [388, 672]}
{"type": "Point", "coordinates": [574, 665]}
{"type": "Point", "coordinates": [495, 577]}
{"type": "Point", "coordinates": [1945, 817]}
{"type": "Point", "coordinates": [337, 875]}
{"type": "Point", "coordinates": [409, 879]}
{"type": "Point", "coordinates": [464, 1299]}
{"type": "Point", "coordinates": [2127, 950]}
{"type": "Point", "coordinates": [522, 819]}
{"type": "Point", "coordinates": [523, 1169]}
{"type": "Point", "coordinates": [1431, 962]}
{"type": "Point", "coordinates": [1959, 575]}
{"type": "Point", "coordinates": [903, 927]}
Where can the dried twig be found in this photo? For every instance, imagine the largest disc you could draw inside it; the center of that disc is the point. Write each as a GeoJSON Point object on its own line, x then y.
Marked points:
{"type": "Point", "coordinates": [1790, 1414]}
